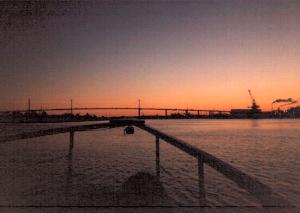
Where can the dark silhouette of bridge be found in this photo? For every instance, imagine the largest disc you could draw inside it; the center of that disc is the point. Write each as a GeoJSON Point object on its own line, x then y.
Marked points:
{"type": "Point", "coordinates": [138, 109]}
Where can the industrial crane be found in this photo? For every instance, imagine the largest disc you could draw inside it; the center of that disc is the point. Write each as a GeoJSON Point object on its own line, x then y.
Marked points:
{"type": "Point", "coordinates": [254, 107]}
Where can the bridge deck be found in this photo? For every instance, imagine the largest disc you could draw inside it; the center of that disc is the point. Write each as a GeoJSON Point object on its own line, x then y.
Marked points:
{"type": "Point", "coordinates": [117, 108]}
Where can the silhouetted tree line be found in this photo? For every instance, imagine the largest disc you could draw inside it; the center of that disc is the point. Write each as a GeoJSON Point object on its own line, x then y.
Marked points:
{"type": "Point", "coordinates": [44, 117]}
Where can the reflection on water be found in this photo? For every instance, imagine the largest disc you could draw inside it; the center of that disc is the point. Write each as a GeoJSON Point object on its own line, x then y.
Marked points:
{"type": "Point", "coordinates": [105, 168]}
{"type": "Point", "coordinates": [255, 123]}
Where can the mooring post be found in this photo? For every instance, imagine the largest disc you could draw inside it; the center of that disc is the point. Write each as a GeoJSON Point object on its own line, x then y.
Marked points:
{"type": "Point", "coordinates": [157, 158]}
{"type": "Point", "coordinates": [166, 113]}
{"type": "Point", "coordinates": [201, 181]}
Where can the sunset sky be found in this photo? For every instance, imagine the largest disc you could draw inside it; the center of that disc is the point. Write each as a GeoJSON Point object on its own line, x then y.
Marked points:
{"type": "Point", "coordinates": [195, 54]}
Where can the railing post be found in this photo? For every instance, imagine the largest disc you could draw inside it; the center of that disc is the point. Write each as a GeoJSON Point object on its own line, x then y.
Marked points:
{"type": "Point", "coordinates": [69, 172]}
{"type": "Point", "coordinates": [157, 158]}
{"type": "Point", "coordinates": [201, 181]}
{"type": "Point", "coordinates": [71, 142]}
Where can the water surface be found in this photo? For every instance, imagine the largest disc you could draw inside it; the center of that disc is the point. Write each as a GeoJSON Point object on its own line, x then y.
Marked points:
{"type": "Point", "coordinates": [42, 171]}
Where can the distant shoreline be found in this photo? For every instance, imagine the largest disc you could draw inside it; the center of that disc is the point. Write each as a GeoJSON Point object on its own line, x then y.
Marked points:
{"type": "Point", "coordinates": [70, 121]}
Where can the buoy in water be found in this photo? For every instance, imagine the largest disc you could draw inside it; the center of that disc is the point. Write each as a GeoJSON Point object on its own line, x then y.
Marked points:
{"type": "Point", "coordinates": [129, 130]}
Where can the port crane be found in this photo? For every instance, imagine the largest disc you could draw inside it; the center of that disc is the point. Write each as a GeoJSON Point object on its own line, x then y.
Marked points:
{"type": "Point", "coordinates": [254, 107]}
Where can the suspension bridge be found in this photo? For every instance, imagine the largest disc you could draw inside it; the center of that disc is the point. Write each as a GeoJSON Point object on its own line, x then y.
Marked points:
{"type": "Point", "coordinates": [138, 109]}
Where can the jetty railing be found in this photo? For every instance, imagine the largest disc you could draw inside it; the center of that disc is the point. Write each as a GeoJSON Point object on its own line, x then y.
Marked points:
{"type": "Point", "coordinates": [259, 190]}
{"type": "Point", "coordinates": [53, 131]}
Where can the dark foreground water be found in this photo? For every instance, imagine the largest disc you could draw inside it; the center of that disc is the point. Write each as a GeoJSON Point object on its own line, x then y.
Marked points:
{"type": "Point", "coordinates": [104, 164]}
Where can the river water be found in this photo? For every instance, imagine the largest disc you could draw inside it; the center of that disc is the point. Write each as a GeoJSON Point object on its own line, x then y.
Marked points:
{"type": "Point", "coordinates": [42, 171]}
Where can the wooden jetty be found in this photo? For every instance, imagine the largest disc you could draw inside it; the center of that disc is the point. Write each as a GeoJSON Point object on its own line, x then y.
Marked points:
{"type": "Point", "coordinates": [260, 191]}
